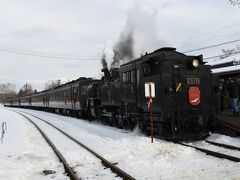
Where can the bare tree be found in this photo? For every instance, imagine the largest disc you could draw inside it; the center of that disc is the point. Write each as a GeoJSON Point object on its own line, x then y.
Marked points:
{"type": "Point", "coordinates": [235, 2]}
{"type": "Point", "coordinates": [229, 52]}
{"type": "Point", "coordinates": [52, 84]}
{"type": "Point", "coordinates": [25, 90]}
{"type": "Point", "coordinates": [7, 90]}
{"type": "Point", "coordinates": [20, 92]}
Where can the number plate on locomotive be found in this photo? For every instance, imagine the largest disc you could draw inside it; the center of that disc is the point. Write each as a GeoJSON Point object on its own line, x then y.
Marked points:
{"type": "Point", "coordinates": [193, 80]}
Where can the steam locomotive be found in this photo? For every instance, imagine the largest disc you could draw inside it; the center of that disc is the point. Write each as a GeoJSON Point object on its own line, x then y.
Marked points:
{"type": "Point", "coordinates": [175, 92]}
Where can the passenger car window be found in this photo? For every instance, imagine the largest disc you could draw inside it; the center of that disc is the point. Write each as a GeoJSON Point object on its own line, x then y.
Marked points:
{"type": "Point", "coordinates": [84, 90]}
{"type": "Point", "coordinates": [132, 76]}
{"type": "Point", "coordinates": [128, 77]}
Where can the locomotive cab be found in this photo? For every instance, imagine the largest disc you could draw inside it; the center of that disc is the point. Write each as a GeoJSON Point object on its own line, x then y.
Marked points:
{"type": "Point", "coordinates": [184, 101]}
{"type": "Point", "coordinates": [183, 105]}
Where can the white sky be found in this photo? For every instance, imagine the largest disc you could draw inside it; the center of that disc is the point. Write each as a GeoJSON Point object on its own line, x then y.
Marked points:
{"type": "Point", "coordinates": [81, 28]}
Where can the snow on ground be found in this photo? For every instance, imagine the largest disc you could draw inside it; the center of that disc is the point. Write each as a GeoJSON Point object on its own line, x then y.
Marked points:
{"type": "Point", "coordinates": [211, 147]}
{"type": "Point", "coordinates": [24, 154]}
{"type": "Point", "coordinates": [225, 139]}
{"type": "Point", "coordinates": [86, 165]}
{"type": "Point", "coordinates": [135, 154]}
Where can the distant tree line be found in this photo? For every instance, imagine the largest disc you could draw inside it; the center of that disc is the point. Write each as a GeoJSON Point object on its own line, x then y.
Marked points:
{"type": "Point", "coordinates": [26, 90]}
{"type": "Point", "coordinates": [9, 90]}
{"type": "Point", "coordinates": [52, 84]}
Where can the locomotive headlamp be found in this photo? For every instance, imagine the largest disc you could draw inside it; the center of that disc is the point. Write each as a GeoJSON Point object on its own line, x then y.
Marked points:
{"type": "Point", "coordinates": [195, 63]}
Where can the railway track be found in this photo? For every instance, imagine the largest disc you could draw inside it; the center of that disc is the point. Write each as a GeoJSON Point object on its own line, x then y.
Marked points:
{"type": "Point", "coordinates": [214, 153]}
{"type": "Point", "coordinates": [223, 145]}
{"type": "Point", "coordinates": [126, 176]}
{"type": "Point", "coordinates": [68, 169]}
{"type": "Point", "coordinates": [230, 125]}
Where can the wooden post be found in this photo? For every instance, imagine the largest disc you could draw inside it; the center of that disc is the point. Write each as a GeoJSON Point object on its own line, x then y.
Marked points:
{"type": "Point", "coordinates": [151, 119]}
{"type": "Point", "coordinates": [150, 93]}
{"type": "Point", "coordinates": [151, 124]}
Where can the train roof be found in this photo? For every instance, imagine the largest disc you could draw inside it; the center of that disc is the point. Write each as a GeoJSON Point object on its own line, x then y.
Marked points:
{"type": "Point", "coordinates": [58, 87]}
{"type": "Point", "coordinates": [71, 82]}
{"type": "Point", "coordinates": [162, 53]}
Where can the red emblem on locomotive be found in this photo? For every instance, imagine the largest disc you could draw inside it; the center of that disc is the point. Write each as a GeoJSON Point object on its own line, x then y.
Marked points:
{"type": "Point", "coordinates": [194, 95]}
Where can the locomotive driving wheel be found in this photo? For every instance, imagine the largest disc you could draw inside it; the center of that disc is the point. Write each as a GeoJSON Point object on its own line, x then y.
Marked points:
{"type": "Point", "coordinates": [113, 120]}
{"type": "Point", "coordinates": [132, 122]}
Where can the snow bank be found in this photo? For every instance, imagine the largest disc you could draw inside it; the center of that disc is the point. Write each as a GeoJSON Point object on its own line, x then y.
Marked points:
{"type": "Point", "coordinates": [135, 154]}
{"type": "Point", "coordinates": [24, 154]}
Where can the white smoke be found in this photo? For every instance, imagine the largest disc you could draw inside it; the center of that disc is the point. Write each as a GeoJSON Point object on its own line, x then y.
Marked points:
{"type": "Point", "coordinates": [142, 22]}
{"type": "Point", "coordinates": [108, 53]}
{"type": "Point", "coordinates": [138, 37]}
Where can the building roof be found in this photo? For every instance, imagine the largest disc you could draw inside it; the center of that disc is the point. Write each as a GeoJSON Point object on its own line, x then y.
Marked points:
{"type": "Point", "coordinates": [229, 65]}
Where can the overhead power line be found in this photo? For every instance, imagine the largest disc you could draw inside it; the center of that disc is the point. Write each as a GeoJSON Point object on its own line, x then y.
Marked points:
{"type": "Point", "coordinates": [216, 45]}
{"type": "Point", "coordinates": [212, 57]}
{"type": "Point", "coordinates": [97, 59]}
{"type": "Point", "coordinates": [205, 34]}
{"type": "Point", "coordinates": [48, 55]}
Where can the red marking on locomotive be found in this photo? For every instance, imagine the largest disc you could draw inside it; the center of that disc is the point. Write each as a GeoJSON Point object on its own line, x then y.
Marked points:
{"type": "Point", "coordinates": [194, 95]}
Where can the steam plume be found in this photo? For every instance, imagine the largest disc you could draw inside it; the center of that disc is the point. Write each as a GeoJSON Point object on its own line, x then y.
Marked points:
{"type": "Point", "coordinates": [138, 37]}
{"type": "Point", "coordinates": [123, 50]}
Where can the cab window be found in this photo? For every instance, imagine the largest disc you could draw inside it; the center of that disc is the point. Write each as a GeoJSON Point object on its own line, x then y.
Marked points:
{"type": "Point", "coordinates": [138, 76]}
{"type": "Point", "coordinates": [146, 70]}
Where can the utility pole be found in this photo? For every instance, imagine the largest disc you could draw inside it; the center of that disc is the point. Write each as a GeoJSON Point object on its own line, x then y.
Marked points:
{"type": "Point", "coordinates": [26, 88]}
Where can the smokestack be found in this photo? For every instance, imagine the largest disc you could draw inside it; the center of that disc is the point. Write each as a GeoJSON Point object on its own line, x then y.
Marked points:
{"type": "Point", "coordinates": [104, 62]}
{"type": "Point", "coordinates": [107, 75]}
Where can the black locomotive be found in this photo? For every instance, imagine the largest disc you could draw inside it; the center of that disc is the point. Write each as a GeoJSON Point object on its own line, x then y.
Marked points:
{"type": "Point", "coordinates": [177, 91]}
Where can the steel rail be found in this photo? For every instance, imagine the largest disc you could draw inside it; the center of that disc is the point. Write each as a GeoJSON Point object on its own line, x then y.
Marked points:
{"type": "Point", "coordinates": [105, 162]}
{"type": "Point", "coordinates": [213, 153]}
{"type": "Point", "coordinates": [223, 145]}
{"type": "Point", "coordinates": [229, 125]}
{"type": "Point", "coordinates": [68, 169]}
